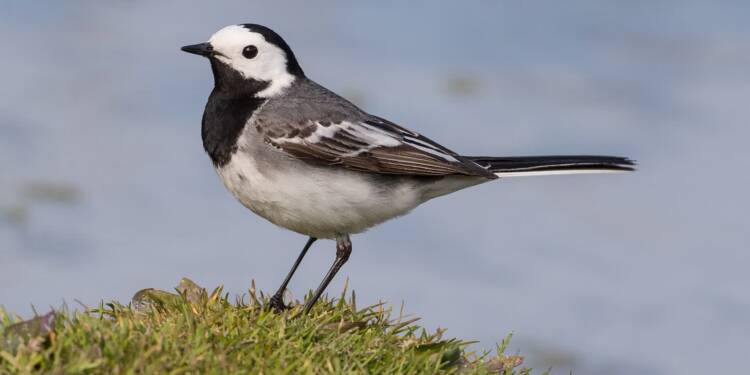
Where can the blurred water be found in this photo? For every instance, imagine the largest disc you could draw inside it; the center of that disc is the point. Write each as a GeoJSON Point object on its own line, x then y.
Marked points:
{"type": "Point", "coordinates": [619, 274]}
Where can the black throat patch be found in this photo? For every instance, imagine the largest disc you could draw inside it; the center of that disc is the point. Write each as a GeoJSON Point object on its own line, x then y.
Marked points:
{"type": "Point", "coordinates": [230, 106]}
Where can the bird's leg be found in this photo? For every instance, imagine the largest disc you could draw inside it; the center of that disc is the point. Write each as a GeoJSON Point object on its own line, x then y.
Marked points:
{"type": "Point", "coordinates": [343, 250]}
{"type": "Point", "coordinates": [277, 301]}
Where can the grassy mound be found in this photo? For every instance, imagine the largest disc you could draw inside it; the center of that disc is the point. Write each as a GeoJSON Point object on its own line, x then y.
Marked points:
{"type": "Point", "coordinates": [197, 332]}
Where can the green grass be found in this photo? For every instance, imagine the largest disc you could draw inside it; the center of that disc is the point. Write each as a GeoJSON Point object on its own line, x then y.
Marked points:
{"type": "Point", "coordinates": [196, 332]}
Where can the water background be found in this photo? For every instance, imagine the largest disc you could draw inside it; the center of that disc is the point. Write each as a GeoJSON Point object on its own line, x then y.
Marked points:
{"type": "Point", "coordinates": [105, 189]}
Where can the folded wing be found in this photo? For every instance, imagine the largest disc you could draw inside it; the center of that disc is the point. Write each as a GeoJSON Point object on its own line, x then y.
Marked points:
{"type": "Point", "coordinates": [372, 145]}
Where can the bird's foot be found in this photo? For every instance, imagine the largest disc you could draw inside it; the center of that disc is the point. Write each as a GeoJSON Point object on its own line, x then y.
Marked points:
{"type": "Point", "coordinates": [277, 303]}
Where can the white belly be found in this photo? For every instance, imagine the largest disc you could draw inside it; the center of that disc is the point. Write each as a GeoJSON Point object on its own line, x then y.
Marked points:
{"type": "Point", "coordinates": [316, 201]}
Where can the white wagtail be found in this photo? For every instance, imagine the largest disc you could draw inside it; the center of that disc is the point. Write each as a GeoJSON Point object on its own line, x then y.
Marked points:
{"type": "Point", "coordinates": [310, 161]}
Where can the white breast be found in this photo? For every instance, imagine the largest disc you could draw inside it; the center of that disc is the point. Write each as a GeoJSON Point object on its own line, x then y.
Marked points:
{"type": "Point", "coordinates": [315, 201]}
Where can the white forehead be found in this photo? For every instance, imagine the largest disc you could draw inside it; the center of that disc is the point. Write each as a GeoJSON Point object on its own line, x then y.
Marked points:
{"type": "Point", "coordinates": [235, 36]}
{"type": "Point", "coordinates": [269, 65]}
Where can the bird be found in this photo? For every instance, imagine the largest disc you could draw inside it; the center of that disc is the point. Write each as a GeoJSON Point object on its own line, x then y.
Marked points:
{"type": "Point", "coordinates": [310, 161]}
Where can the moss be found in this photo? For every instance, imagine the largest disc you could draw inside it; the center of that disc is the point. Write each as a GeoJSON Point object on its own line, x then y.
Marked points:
{"type": "Point", "coordinates": [196, 332]}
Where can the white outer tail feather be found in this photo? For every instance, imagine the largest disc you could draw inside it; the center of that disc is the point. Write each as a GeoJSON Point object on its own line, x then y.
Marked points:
{"type": "Point", "coordinates": [559, 172]}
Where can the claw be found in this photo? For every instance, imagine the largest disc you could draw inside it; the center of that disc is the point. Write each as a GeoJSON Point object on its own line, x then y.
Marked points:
{"type": "Point", "coordinates": [277, 304]}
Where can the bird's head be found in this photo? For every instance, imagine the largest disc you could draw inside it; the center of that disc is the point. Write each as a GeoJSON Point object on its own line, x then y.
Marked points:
{"type": "Point", "coordinates": [250, 56]}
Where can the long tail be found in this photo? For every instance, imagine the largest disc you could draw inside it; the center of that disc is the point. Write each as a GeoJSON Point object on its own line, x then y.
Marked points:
{"type": "Point", "coordinates": [547, 165]}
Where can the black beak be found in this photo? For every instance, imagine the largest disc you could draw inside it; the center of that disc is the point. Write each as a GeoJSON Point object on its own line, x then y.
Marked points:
{"type": "Point", "coordinates": [202, 49]}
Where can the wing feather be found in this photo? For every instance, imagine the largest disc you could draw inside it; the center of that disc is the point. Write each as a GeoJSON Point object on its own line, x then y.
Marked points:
{"type": "Point", "coordinates": [375, 145]}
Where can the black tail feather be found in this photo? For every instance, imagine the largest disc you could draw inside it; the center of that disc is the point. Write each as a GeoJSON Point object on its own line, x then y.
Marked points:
{"type": "Point", "coordinates": [582, 163]}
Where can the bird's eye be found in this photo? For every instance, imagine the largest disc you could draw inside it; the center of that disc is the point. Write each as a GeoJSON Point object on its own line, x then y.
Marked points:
{"type": "Point", "coordinates": [250, 51]}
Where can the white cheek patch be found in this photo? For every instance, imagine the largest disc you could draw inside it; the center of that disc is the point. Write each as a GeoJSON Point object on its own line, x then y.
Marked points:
{"type": "Point", "coordinates": [270, 65]}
